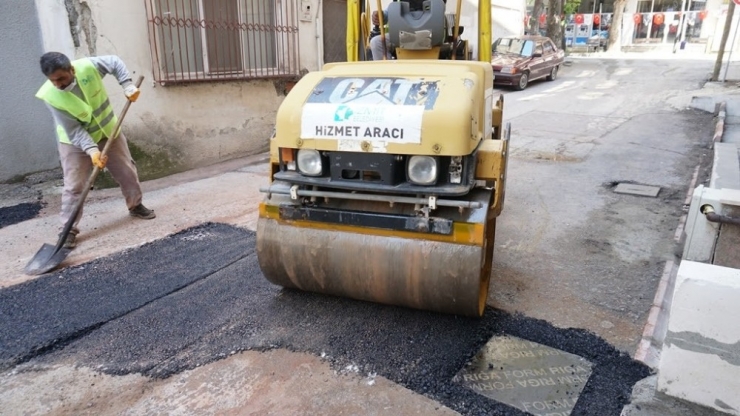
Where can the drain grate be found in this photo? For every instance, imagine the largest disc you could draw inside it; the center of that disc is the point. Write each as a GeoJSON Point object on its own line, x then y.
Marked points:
{"type": "Point", "coordinates": [640, 190]}
{"type": "Point", "coordinates": [527, 375]}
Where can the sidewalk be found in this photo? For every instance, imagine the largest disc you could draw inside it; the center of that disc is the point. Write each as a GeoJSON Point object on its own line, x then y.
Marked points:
{"type": "Point", "coordinates": [226, 192]}
{"type": "Point", "coordinates": [699, 361]}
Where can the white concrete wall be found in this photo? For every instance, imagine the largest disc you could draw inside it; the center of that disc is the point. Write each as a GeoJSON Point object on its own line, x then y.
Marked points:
{"type": "Point", "coordinates": [187, 125]}
{"type": "Point", "coordinates": [55, 32]}
{"type": "Point", "coordinates": [26, 136]}
{"type": "Point", "coordinates": [700, 361]}
{"type": "Point", "coordinates": [715, 23]}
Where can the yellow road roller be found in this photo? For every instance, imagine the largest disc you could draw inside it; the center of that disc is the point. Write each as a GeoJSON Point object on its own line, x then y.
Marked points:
{"type": "Point", "coordinates": [386, 177]}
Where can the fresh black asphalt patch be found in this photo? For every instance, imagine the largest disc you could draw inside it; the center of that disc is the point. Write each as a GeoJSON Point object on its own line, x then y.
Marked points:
{"type": "Point", "coordinates": [198, 296]}
{"type": "Point", "coordinates": [19, 213]}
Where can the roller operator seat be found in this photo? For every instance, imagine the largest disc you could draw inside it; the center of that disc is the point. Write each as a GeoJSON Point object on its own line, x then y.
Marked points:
{"type": "Point", "coordinates": [418, 29]}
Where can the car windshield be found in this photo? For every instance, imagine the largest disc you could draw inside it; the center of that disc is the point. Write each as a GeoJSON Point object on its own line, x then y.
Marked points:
{"type": "Point", "coordinates": [515, 46]}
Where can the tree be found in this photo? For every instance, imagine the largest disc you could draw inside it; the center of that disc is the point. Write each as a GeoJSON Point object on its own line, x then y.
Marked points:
{"type": "Point", "coordinates": [725, 35]}
{"type": "Point", "coordinates": [615, 30]}
{"type": "Point", "coordinates": [571, 7]}
{"type": "Point", "coordinates": [534, 21]}
{"type": "Point", "coordinates": [554, 28]}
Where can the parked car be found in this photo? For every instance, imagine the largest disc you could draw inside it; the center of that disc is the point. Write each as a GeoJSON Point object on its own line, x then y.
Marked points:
{"type": "Point", "coordinates": [518, 60]}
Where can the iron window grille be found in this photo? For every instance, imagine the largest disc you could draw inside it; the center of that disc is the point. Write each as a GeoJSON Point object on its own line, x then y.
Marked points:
{"type": "Point", "coordinates": [212, 40]}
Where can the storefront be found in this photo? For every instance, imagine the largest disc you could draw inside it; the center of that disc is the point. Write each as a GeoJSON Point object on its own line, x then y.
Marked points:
{"type": "Point", "coordinates": [660, 21]}
{"type": "Point", "coordinates": [650, 22]}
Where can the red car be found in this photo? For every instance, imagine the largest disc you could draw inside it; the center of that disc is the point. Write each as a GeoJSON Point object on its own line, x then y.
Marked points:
{"type": "Point", "coordinates": [518, 60]}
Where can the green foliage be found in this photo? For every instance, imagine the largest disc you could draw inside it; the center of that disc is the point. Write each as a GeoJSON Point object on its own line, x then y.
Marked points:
{"type": "Point", "coordinates": [571, 6]}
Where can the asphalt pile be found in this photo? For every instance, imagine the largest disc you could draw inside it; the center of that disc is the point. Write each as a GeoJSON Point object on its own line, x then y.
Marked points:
{"type": "Point", "coordinates": [19, 213]}
{"type": "Point", "coordinates": [198, 296]}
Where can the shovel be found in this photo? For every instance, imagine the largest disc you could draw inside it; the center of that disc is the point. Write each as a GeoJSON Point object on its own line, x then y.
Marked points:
{"type": "Point", "coordinates": [49, 256]}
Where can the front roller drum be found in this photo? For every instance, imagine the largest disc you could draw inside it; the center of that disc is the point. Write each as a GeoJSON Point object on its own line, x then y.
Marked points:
{"type": "Point", "coordinates": [421, 274]}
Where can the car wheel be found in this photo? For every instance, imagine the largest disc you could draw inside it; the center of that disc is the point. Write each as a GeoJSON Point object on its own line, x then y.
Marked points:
{"type": "Point", "coordinates": [553, 74]}
{"type": "Point", "coordinates": [523, 81]}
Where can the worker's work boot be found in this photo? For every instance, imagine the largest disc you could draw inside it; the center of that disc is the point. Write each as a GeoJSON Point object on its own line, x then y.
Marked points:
{"type": "Point", "coordinates": [71, 241]}
{"type": "Point", "coordinates": [140, 211]}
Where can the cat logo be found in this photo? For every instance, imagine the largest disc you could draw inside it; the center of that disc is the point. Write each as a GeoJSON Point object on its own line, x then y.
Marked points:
{"type": "Point", "coordinates": [376, 91]}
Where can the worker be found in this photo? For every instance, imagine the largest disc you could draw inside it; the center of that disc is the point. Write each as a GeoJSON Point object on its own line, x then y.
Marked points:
{"type": "Point", "coordinates": [84, 120]}
{"type": "Point", "coordinates": [376, 42]}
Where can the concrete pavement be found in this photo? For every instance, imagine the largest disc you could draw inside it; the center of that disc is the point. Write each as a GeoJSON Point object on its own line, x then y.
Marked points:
{"type": "Point", "coordinates": [699, 360]}
{"type": "Point", "coordinates": [227, 193]}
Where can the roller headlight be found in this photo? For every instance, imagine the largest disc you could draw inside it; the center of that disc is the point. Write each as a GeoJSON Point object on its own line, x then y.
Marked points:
{"type": "Point", "coordinates": [422, 170]}
{"type": "Point", "coordinates": [309, 162]}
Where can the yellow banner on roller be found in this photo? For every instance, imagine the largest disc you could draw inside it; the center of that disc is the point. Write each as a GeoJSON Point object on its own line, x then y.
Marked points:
{"type": "Point", "coordinates": [353, 29]}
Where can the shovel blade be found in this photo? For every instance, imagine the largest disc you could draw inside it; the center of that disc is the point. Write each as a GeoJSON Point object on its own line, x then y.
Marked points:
{"type": "Point", "coordinates": [46, 259]}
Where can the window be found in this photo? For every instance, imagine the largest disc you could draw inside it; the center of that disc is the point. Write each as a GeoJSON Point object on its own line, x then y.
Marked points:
{"type": "Point", "coordinates": [548, 47]}
{"type": "Point", "coordinates": [205, 40]}
{"type": "Point", "coordinates": [512, 45]}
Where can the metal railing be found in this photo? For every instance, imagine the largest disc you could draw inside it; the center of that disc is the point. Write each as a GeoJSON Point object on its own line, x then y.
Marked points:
{"type": "Point", "coordinates": [214, 40]}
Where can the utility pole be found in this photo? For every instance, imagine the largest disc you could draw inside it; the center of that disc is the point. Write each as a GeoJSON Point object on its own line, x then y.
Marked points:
{"type": "Point", "coordinates": [723, 42]}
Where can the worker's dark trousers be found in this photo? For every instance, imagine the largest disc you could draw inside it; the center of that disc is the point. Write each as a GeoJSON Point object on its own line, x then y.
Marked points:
{"type": "Point", "coordinates": [376, 47]}
{"type": "Point", "coordinates": [77, 167]}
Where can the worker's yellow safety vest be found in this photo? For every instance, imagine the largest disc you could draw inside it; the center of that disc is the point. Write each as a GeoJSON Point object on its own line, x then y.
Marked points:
{"type": "Point", "coordinates": [95, 112]}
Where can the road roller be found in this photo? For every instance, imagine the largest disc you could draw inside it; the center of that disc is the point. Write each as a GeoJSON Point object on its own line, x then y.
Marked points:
{"type": "Point", "coordinates": [386, 177]}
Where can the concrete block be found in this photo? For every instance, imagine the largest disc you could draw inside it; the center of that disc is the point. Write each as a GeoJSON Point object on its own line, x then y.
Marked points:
{"type": "Point", "coordinates": [532, 377]}
{"type": "Point", "coordinates": [700, 361]}
{"type": "Point", "coordinates": [701, 235]}
{"type": "Point", "coordinates": [703, 103]}
{"type": "Point", "coordinates": [726, 167]}
{"type": "Point", "coordinates": [640, 190]}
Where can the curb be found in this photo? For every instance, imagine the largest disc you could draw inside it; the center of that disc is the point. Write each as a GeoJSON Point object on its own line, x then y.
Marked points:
{"type": "Point", "coordinates": [653, 334]}
{"type": "Point", "coordinates": [648, 350]}
{"type": "Point", "coordinates": [654, 331]}
{"type": "Point", "coordinates": [719, 128]}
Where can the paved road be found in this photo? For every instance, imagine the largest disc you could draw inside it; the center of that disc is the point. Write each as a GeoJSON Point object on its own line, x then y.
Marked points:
{"type": "Point", "coordinates": [186, 323]}
{"type": "Point", "coordinates": [569, 249]}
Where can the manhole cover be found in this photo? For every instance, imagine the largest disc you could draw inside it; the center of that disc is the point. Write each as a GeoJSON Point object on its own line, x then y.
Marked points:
{"type": "Point", "coordinates": [529, 376]}
{"type": "Point", "coordinates": [633, 189]}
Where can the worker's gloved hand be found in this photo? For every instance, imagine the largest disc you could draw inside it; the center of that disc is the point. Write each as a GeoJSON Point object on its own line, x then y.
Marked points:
{"type": "Point", "coordinates": [132, 93]}
{"type": "Point", "coordinates": [97, 160]}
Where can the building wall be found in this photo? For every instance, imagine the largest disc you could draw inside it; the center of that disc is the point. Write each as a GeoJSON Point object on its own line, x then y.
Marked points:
{"type": "Point", "coordinates": [508, 18]}
{"type": "Point", "coordinates": [173, 127]}
{"type": "Point", "coordinates": [26, 137]}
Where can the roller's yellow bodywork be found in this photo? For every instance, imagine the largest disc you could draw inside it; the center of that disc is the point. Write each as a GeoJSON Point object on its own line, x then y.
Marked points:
{"type": "Point", "coordinates": [455, 124]}
{"type": "Point", "coordinates": [362, 227]}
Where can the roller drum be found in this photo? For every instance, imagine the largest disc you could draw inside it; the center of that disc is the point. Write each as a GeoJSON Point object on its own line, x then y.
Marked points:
{"type": "Point", "coordinates": [416, 273]}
